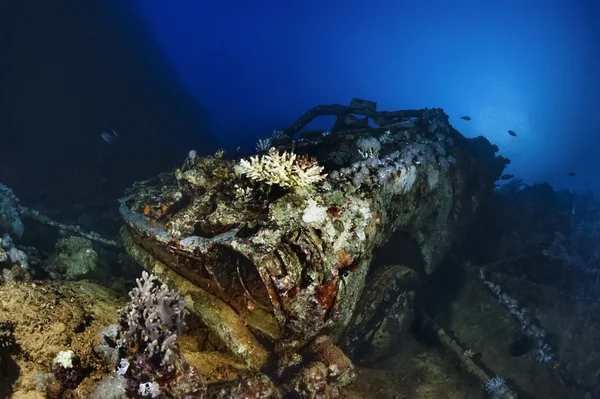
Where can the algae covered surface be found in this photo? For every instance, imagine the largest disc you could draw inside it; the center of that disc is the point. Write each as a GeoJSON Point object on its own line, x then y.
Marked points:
{"type": "Point", "coordinates": [49, 317]}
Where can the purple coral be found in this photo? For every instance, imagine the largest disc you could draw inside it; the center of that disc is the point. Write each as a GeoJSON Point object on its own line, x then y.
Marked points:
{"type": "Point", "coordinates": [145, 344]}
{"type": "Point", "coordinates": [153, 319]}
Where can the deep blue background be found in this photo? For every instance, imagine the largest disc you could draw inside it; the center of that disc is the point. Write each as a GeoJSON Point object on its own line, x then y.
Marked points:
{"type": "Point", "coordinates": [529, 66]}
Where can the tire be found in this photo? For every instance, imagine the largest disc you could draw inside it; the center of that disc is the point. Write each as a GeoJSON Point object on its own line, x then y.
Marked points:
{"type": "Point", "coordinates": [383, 315]}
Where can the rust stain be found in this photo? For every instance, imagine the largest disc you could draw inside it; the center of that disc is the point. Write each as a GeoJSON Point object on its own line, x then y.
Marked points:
{"type": "Point", "coordinates": [344, 259]}
{"type": "Point", "coordinates": [325, 293]}
{"type": "Point", "coordinates": [334, 211]}
{"type": "Point", "coordinates": [293, 292]}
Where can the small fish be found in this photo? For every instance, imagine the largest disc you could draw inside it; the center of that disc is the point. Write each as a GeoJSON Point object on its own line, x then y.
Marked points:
{"type": "Point", "coordinates": [512, 133]}
{"type": "Point", "coordinates": [572, 174]}
{"type": "Point", "coordinates": [109, 137]}
{"type": "Point", "coordinates": [467, 118]}
{"type": "Point", "coordinates": [506, 177]}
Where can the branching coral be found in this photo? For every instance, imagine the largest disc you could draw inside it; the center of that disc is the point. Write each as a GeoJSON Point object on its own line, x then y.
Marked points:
{"type": "Point", "coordinates": [144, 341]}
{"type": "Point", "coordinates": [287, 170]}
{"type": "Point", "coordinates": [153, 319]}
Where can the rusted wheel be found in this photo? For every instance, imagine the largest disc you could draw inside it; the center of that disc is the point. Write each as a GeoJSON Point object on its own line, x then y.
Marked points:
{"type": "Point", "coordinates": [383, 315]}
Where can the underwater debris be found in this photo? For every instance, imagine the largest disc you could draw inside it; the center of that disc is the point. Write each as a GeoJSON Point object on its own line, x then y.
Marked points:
{"type": "Point", "coordinates": [350, 121]}
{"type": "Point", "coordinates": [290, 265]}
{"type": "Point", "coordinates": [528, 324]}
{"type": "Point", "coordinates": [467, 359]}
{"type": "Point", "coordinates": [541, 258]}
{"type": "Point", "coordinates": [367, 105]}
{"type": "Point", "coordinates": [546, 354]}
{"type": "Point", "coordinates": [34, 214]}
{"type": "Point", "coordinates": [357, 107]}
{"type": "Point", "coordinates": [12, 214]}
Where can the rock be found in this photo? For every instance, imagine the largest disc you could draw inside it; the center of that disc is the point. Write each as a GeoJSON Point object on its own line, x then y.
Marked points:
{"type": "Point", "coordinates": [3, 255]}
{"type": "Point", "coordinates": [10, 218]}
{"type": "Point", "coordinates": [74, 259]}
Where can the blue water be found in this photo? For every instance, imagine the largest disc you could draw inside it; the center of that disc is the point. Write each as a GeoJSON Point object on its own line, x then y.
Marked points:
{"type": "Point", "coordinates": [528, 66]}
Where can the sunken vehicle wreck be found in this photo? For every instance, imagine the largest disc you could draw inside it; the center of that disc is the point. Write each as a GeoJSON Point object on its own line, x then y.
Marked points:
{"type": "Point", "coordinates": [274, 253]}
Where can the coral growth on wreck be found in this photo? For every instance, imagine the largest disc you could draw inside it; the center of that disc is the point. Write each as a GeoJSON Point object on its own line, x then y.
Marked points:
{"type": "Point", "coordinates": [287, 170]}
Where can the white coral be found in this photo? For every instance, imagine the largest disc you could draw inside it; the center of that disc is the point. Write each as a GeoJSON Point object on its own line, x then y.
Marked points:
{"type": "Point", "coordinates": [65, 359]}
{"type": "Point", "coordinates": [286, 170]}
